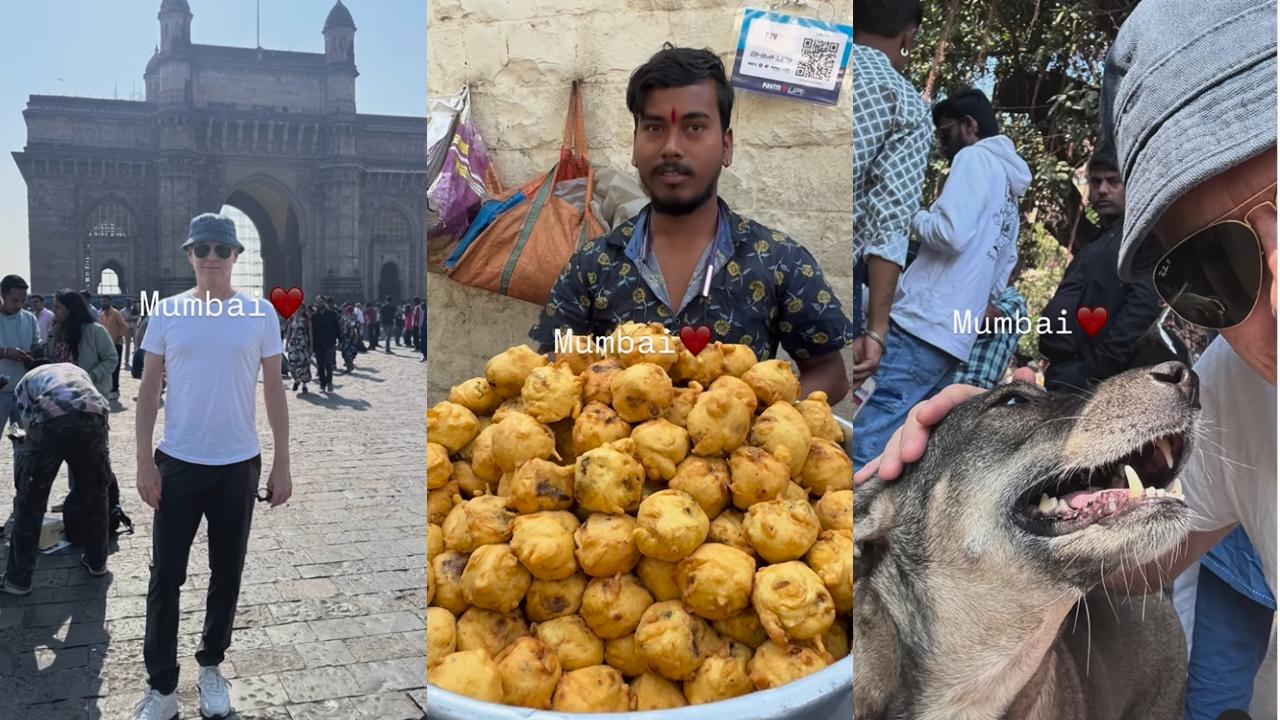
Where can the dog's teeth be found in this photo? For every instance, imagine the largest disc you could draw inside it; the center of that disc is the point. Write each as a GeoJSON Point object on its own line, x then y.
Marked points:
{"type": "Point", "coordinates": [1063, 506]}
{"type": "Point", "coordinates": [1047, 504]}
{"type": "Point", "coordinates": [1175, 488]}
{"type": "Point", "coordinates": [1167, 451]}
{"type": "Point", "coordinates": [1135, 483]}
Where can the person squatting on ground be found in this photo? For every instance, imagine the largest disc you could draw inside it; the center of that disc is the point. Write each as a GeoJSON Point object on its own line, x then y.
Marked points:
{"type": "Point", "coordinates": [209, 461]}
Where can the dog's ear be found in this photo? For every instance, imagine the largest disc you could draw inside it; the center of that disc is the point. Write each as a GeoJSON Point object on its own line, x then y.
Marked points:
{"type": "Point", "coordinates": [874, 512]}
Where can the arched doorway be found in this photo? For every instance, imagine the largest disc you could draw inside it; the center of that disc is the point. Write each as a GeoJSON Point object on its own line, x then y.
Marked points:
{"type": "Point", "coordinates": [109, 282]}
{"type": "Point", "coordinates": [268, 225]}
{"type": "Point", "coordinates": [111, 232]}
{"type": "Point", "coordinates": [389, 282]}
{"type": "Point", "coordinates": [246, 275]}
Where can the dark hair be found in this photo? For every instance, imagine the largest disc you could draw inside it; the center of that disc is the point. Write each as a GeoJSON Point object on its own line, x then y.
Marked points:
{"type": "Point", "coordinates": [673, 67]}
{"type": "Point", "coordinates": [11, 282]}
{"type": "Point", "coordinates": [886, 18]}
{"type": "Point", "coordinates": [78, 315]}
{"type": "Point", "coordinates": [388, 299]}
{"type": "Point", "coordinates": [1104, 158]}
{"type": "Point", "coordinates": [971, 102]}
{"type": "Point", "coordinates": [36, 297]}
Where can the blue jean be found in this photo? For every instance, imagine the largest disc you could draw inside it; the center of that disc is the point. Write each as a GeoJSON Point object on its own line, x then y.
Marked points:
{"type": "Point", "coordinates": [911, 371]}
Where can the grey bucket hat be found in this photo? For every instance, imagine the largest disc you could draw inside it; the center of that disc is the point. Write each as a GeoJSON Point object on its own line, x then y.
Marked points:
{"type": "Point", "coordinates": [214, 228]}
{"type": "Point", "coordinates": [1189, 91]}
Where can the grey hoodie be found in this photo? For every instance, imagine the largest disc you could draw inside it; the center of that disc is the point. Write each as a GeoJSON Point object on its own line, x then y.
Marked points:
{"type": "Point", "coordinates": [968, 246]}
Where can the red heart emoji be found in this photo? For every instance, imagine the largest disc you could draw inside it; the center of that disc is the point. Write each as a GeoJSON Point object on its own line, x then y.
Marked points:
{"type": "Point", "coordinates": [286, 302]}
{"type": "Point", "coordinates": [1092, 320]}
{"type": "Point", "coordinates": [695, 339]}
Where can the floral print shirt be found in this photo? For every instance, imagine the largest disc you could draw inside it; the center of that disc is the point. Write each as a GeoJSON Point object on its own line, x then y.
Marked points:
{"type": "Point", "coordinates": [766, 290]}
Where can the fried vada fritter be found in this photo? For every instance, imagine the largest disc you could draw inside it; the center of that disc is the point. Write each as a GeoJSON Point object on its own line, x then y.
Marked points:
{"type": "Point", "coordinates": [609, 479]}
{"type": "Point", "coordinates": [530, 673]}
{"type": "Point", "coordinates": [707, 482]}
{"type": "Point", "coordinates": [447, 568]}
{"type": "Point", "coordinates": [551, 599]}
{"type": "Point", "coordinates": [624, 654]}
{"type": "Point", "coordinates": [552, 392]}
{"type": "Point", "coordinates": [782, 529]}
{"type": "Point", "coordinates": [826, 467]}
{"type": "Point", "coordinates": [597, 424]}
{"type": "Point", "coordinates": [539, 485]}
{"type": "Point", "coordinates": [599, 689]}
{"type": "Point", "coordinates": [673, 640]}
{"type": "Point", "coordinates": [518, 439]}
{"type": "Point", "coordinates": [439, 468]}
{"type": "Point", "coordinates": [654, 692]}
{"type": "Point", "coordinates": [572, 641]}
{"type": "Point", "coordinates": [612, 606]}
{"type": "Point", "coordinates": [451, 425]}
{"type": "Point", "coordinates": [718, 423]}
{"type": "Point", "coordinates": [835, 510]}
{"type": "Point", "coordinates": [659, 578]}
{"type": "Point", "coordinates": [597, 381]}
{"type": "Point", "coordinates": [495, 579]}
{"type": "Point", "coordinates": [818, 416]}
{"type": "Point", "coordinates": [715, 581]}
{"type": "Point", "coordinates": [756, 475]}
{"type": "Point", "coordinates": [507, 370]}
{"type": "Point", "coordinates": [471, 673]}
{"type": "Point", "coordinates": [773, 381]}
{"type": "Point", "coordinates": [607, 545]}
{"type": "Point", "coordinates": [544, 543]}
{"type": "Point", "coordinates": [660, 445]}
{"type": "Point", "coordinates": [779, 426]}
{"type": "Point", "coordinates": [670, 525]}
{"type": "Point", "coordinates": [738, 359]}
{"type": "Point", "coordinates": [641, 392]}
{"type": "Point", "coordinates": [483, 520]}
{"type": "Point", "coordinates": [477, 395]}
{"type": "Point", "coordinates": [774, 665]}
{"type": "Point", "coordinates": [721, 676]}
{"type": "Point", "coordinates": [481, 629]}
{"type": "Point", "coordinates": [792, 602]}
{"type": "Point", "coordinates": [831, 557]}
{"type": "Point", "coordinates": [441, 634]}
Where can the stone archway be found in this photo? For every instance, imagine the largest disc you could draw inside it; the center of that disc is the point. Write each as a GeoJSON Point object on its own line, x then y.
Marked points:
{"type": "Point", "coordinates": [389, 282]}
{"type": "Point", "coordinates": [276, 216]}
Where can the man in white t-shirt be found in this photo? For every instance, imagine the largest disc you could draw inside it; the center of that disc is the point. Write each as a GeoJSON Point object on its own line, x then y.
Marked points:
{"type": "Point", "coordinates": [210, 342]}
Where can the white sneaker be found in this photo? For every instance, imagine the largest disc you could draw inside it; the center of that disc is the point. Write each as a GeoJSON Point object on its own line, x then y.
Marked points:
{"type": "Point", "coordinates": [156, 706]}
{"type": "Point", "coordinates": [215, 693]}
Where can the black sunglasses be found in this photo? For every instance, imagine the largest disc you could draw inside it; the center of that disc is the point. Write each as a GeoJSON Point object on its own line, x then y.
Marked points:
{"type": "Point", "coordinates": [1213, 277]}
{"type": "Point", "coordinates": [202, 249]}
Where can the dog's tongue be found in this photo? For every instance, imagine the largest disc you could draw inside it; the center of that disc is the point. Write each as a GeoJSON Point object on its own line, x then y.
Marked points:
{"type": "Point", "coordinates": [1082, 498]}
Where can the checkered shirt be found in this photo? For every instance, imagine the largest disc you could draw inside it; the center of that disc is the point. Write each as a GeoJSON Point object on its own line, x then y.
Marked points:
{"type": "Point", "coordinates": [990, 356]}
{"type": "Point", "coordinates": [56, 389]}
{"type": "Point", "coordinates": [892, 134]}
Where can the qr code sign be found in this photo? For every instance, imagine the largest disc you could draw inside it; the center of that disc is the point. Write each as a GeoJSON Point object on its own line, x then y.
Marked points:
{"type": "Point", "coordinates": [817, 59]}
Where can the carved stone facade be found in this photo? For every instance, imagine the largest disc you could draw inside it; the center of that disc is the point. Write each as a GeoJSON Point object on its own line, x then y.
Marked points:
{"type": "Point", "coordinates": [338, 197]}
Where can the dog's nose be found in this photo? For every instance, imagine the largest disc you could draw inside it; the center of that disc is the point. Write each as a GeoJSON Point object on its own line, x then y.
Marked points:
{"type": "Point", "coordinates": [1175, 373]}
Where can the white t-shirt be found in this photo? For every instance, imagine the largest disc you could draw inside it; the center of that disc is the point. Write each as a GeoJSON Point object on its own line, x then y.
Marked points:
{"type": "Point", "coordinates": [212, 357]}
{"type": "Point", "coordinates": [1231, 474]}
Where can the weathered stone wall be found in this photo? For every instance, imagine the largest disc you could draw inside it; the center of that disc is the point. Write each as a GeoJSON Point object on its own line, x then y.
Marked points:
{"type": "Point", "coordinates": [792, 161]}
{"type": "Point", "coordinates": [247, 89]}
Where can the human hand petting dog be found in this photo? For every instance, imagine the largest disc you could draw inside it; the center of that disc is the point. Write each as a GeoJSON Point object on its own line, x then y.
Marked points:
{"type": "Point", "coordinates": [908, 442]}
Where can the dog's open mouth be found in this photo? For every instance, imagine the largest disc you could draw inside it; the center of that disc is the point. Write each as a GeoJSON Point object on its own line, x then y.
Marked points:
{"type": "Point", "coordinates": [1065, 504]}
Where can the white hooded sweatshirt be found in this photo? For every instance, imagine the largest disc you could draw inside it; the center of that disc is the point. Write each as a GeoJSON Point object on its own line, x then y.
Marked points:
{"type": "Point", "coordinates": [968, 247]}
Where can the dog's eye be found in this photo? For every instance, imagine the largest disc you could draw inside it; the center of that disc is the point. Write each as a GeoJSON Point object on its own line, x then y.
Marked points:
{"type": "Point", "coordinates": [1016, 399]}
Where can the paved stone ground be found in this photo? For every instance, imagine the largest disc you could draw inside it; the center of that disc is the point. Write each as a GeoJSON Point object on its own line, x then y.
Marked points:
{"type": "Point", "coordinates": [330, 621]}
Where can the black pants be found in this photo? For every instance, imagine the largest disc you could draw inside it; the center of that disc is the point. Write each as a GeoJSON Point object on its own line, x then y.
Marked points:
{"type": "Point", "coordinates": [80, 440]}
{"type": "Point", "coordinates": [388, 331]}
{"type": "Point", "coordinates": [224, 495]}
{"type": "Point", "coordinates": [325, 359]}
{"type": "Point", "coordinates": [115, 374]}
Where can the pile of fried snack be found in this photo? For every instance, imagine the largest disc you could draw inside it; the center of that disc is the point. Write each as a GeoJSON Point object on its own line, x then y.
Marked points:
{"type": "Point", "coordinates": [635, 532]}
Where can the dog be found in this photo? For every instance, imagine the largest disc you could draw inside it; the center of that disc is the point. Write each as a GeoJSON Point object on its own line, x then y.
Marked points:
{"type": "Point", "coordinates": [978, 573]}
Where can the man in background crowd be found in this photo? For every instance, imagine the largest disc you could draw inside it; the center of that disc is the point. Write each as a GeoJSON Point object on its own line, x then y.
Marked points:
{"type": "Point", "coordinates": [19, 336]}
{"type": "Point", "coordinates": [118, 328]}
{"type": "Point", "coordinates": [1078, 360]}
{"type": "Point", "coordinates": [968, 247]}
{"type": "Point", "coordinates": [44, 317]}
{"type": "Point", "coordinates": [324, 341]}
{"type": "Point", "coordinates": [891, 141]}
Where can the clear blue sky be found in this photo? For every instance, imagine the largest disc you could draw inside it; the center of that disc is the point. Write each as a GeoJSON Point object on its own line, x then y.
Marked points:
{"type": "Point", "coordinates": [99, 49]}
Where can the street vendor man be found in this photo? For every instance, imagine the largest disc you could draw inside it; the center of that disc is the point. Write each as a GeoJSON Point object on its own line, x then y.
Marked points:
{"type": "Point", "coordinates": [688, 260]}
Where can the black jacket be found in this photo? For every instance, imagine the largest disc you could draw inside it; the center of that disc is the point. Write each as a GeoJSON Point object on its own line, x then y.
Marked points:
{"type": "Point", "coordinates": [324, 329]}
{"type": "Point", "coordinates": [1076, 360]}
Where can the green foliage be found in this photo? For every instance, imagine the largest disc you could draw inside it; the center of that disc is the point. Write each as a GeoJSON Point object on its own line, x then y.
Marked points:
{"type": "Point", "coordinates": [1040, 61]}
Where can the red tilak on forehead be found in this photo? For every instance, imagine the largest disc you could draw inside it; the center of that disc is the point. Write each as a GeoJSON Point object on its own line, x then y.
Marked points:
{"type": "Point", "coordinates": [673, 116]}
